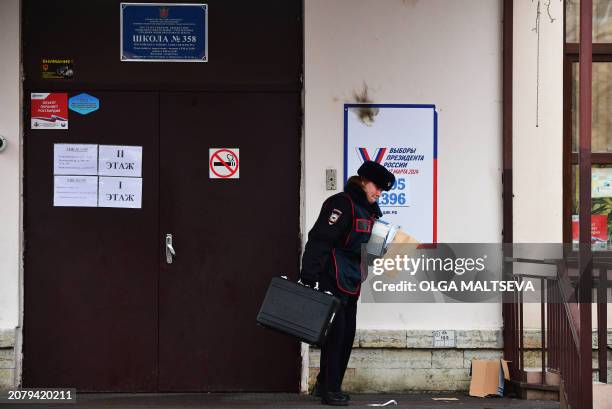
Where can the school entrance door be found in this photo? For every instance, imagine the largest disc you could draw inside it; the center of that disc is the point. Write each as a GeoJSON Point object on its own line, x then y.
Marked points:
{"type": "Point", "coordinates": [106, 306]}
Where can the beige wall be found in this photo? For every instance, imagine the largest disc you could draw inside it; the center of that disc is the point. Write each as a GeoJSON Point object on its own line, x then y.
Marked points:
{"type": "Point", "coordinates": [442, 52]}
{"type": "Point", "coordinates": [538, 151]}
{"type": "Point", "coordinates": [537, 177]}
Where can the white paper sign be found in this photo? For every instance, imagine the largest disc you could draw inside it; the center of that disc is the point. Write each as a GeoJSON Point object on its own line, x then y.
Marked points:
{"type": "Point", "coordinates": [120, 192]}
{"type": "Point", "coordinates": [117, 160]}
{"type": "Point", "coordinates": [75, 159]}
{"type": "Point", "coordinates": [444, 339]}
{"type": "Point", "coordinates": [75, 191]}
{"type": "Point", "coordinates": [403, 138]}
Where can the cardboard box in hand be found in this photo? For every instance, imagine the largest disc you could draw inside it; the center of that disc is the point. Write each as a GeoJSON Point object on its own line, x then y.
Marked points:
{"type": "Point", "coordinates": [400, 246]}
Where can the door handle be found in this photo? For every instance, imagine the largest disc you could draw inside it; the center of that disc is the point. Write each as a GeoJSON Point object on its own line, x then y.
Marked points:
{"type": "Point", "coordinates": [170, 253]}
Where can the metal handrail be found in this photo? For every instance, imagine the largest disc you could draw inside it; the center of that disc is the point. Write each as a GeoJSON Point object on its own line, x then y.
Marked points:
{"type": "Point", "coordinates": [562, 348]}
{"type": "Point", "coordinates": [571, 319]}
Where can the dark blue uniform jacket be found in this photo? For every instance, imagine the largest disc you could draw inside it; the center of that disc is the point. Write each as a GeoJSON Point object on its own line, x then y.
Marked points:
{"type": "Point", "coordinates": [333, 247]}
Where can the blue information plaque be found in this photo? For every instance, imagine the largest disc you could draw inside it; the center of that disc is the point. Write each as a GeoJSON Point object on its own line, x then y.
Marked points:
{"type": "Point", "coordinates": [164, 32]}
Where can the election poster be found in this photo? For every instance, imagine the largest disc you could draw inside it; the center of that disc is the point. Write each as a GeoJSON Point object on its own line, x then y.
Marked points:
{"type": "Point", "coordinates": [403, 138]}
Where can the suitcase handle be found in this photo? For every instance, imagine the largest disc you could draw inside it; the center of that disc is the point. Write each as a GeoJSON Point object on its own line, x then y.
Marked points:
{"type": "Point", "coordinates": [316, 287]}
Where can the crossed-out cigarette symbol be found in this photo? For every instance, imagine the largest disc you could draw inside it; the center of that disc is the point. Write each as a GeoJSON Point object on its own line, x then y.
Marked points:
{"type": "Point", "coordinates": [230, 160]}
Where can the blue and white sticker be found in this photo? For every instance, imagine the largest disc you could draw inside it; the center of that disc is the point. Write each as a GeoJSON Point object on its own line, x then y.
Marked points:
{"type": "Point", "coordinates": [84, 104]}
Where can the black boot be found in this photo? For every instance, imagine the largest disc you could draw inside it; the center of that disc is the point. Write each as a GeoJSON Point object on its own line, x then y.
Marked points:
{"type": "Point", "coordinates": [334, 399]}
{"type": "Point", "coordinates": [317, 391]}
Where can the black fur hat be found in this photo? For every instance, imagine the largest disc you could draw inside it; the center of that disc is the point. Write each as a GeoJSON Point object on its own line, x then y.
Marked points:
{"type": "Point", "coordinates": [377, 173]}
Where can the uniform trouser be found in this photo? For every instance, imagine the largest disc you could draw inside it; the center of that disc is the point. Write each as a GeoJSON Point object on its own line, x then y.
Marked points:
{"type": "Point", "coordinates": [336, 351]}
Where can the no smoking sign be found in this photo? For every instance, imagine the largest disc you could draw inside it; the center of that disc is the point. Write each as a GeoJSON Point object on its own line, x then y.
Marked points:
{"type": "Point", "coordinates": [224, 163]}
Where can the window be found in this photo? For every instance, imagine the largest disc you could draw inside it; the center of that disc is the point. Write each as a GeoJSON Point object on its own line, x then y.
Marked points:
{"type": "Point", "coordinates": [602, 21]}
{"type": "Point", "coordinates": [601, 143]}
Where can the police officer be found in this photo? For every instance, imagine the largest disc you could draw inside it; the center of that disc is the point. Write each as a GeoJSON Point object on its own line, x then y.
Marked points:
{"type": "Point", "coordinates": [332, 258]}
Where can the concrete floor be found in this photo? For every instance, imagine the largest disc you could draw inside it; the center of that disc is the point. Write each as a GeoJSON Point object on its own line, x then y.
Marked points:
{"type": "Point", "coordinates": [268, 400]}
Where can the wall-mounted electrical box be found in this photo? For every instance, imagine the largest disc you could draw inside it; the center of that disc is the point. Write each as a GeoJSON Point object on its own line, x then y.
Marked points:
{"type": "Point", "coordinates": [331, 179]}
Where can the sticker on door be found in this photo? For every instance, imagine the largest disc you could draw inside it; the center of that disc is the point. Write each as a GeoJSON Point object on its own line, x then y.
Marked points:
{"type": "Point", "coordinates": [49, 110]}
{"type": "Point", "coordinates": [224, 163]}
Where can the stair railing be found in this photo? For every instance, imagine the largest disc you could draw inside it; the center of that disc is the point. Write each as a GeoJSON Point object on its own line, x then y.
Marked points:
{"type": "Point", "coordinates": [560, 328]}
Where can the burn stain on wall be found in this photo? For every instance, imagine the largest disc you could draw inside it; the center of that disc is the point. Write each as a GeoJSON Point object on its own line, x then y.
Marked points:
{"type": "Point", "coordinates": [366, 114]}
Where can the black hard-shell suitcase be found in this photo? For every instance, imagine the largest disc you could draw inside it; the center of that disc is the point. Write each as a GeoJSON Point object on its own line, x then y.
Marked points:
{"type": "Point", "coordinates": [297, 310]}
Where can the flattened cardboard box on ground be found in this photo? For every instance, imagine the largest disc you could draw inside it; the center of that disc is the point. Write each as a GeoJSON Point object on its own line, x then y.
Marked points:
{"type": "Point", "coordinates": [488, 377]}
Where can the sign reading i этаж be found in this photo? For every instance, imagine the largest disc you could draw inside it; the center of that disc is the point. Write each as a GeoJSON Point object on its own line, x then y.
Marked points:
{"type": "Point", "coordinates": [120, 192]}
